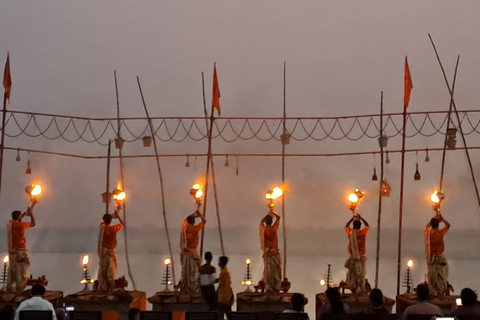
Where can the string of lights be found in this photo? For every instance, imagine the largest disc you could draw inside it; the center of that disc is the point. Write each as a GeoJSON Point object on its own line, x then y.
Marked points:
{"type": "Point", "coordinates": [179, 129]}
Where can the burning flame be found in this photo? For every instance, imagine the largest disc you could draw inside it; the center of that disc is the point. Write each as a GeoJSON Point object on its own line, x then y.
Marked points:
{"type": "Point", "coordinates": [36, 190]}
{"type": "Point", "coordinates": [167, 261]}
{"type": "Point", "coordinates": [322, 282]}
{"type": "Point", "coordinates": [199, 192]}
{"type": "Point", "coordinates": [458, 302]}
{"type": "Point", "coordinates": [248, 282]}
{"type": "Point", "coordinates": [5, 259]}
{"type": "Point", "coordinates": [274, 194]}
{"type": "Point", "coordinates": [248, 261]}
{"type": "Point", "coordinates": [410, 263]}
{"type": "Point", "coordinates": [85, 259]}
{"type": "Point", "coordinates": [355, 196]}
{"type": "Point", "coordinates": [118, 193]}
{"type": "Point", "coordinates": [434, 197]}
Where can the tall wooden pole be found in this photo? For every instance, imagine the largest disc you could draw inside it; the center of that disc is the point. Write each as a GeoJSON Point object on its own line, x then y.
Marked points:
{"type": "Point", "coordinates": [400, 211]}
{"type": "Point", "coordinates": [2, 147]}
{"type": "Point", "coordinates": [379, 217]}
{"type": "Point", "coordinates": [207, 173]}
{"type": "Point", "coordinates": [159, 169]}
{"type": "Point", "coordinates": [107, 202]}
{"type": "Point", "coordinates": [283, 169]}
{"type": "Point", "coordinates": [213, 176]}
{"type": "Point", "coordinates": [127, 257]}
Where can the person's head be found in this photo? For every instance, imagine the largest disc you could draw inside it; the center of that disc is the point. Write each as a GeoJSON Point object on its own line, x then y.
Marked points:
{"type": "Point", "coordinates": [357, 224]}
{"type": "Point", "coordinates": [422, 292]}
{"type": "Point", "coordinates": [434, 223]}
{"type": "Point", "coordinates": [133, 314]}
{"type": "Point", "coordinates": [376, 297]}
{"type": "Point", "coordinates": [60, 313]}
{"type": "Point", "coordinates": [16, 214]}
{"type": "Point", "coordinates": [37, 290]}
{"type": "Point", "coordinates": [268, 220]}
{"type": "Point", "coordinates": [191, 219]}
{"type": "Point", "coordinates": [335, 299]}
{"type": "Point", "coordinates": [107, 218]}
{"type": "Point", "coordinates": [298, 301]}
{"type": "Point", "coordinates": [222, 261]}
{"type": "Point", "coordinates": [468, 296]}
{"type": "Point", "coordinates": [208, 256]}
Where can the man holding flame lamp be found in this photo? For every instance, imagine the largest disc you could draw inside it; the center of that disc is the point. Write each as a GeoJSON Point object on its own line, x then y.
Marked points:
{"type": "Point", "coordinates": [272, 270]}
{"type": "Point", "coordinates": [189, 258]}
{"type": "Point", "coordinates": [107, 242]}
{"type": "Point", "coordinates": [17, 244]}
{"type": "Point", "coordinates": [434, 246]}
{"type": "Point", "coordinates": [356, 262]}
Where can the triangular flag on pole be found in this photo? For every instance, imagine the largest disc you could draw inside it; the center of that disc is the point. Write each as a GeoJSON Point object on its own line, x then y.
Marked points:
{"type": "Point", "coordinates": [7, 78]}
{"type": "Point", "coordinates": [216, 92]}
{"type": "Point", "coordinates": [408, 85]}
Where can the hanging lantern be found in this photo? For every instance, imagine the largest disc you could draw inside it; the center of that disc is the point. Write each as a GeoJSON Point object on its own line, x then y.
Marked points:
{"type": "Point", "coordinates": [119, 143]}
{"type": "Point", "coordinates": [374, 177]}
{"type": "Point", "coordinates": [417, 175]}
{"type": "Point", "coordinates": [427, 158]}
{"type": "Point", "coordinates": [385, 190]}
{"type": "Point", "coordinates": [28, 171]}
{"type": "Point", "coordinates": [226, 161]}
{"type": "Point", "coordinates": [147, 141]}
{"type": "Point", "coordinates": [387, 161]}
{"type": "Point", "coordinates": [383, 142]}
{"type": "Point", "coordinates": [18, 155]}
{"type": "Point", "coordinates": [285, 137]}
{"type": "Point", "coordinates": [451, 138]}
{"type": "Point", "coordinates": [187, 164]}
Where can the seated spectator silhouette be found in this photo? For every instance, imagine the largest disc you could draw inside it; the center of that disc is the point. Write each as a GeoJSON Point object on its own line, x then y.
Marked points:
{"type": "Point", "coordinates": [298, 303]}
{"type": "Point", "coordinates": [36, 302]}
{"type": "Point", "coordinates": [468, 310]}
{"type": "Point", "coordinates": [335, 308]}
{"type": "Point", "coordinates": [376, 303]}
{"type": "Point", "coordinates": [423, 305]}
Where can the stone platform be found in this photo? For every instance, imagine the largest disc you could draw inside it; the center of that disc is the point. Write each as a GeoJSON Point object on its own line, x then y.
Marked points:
{"type": "Point", "coordinates": [355, 302]}
{"type": "Point", "coordinates": [114, 305]}
{"type": "Point", "coordinates": [265, 304]}
{"type": "Point", "coordinates": [14, 299]}
{"type": "Point", "coordinates": [447, 303]}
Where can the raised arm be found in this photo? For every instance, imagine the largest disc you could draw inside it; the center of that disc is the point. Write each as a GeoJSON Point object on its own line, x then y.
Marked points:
{"type": "Point", "coordinates": [447, 224]}
{"type": "Point", "coordinates": [201, 216]}
{"type": "Point", "coordinates": [274, 214]}
{"type": "Point", "coordinates": [363, 220]}
{"type": "Point", "coordinates": [29, 213]}
{"type": "Point", "coordinates": [349, 222]}
{"type": "Point", "coordinates": [117, 215]}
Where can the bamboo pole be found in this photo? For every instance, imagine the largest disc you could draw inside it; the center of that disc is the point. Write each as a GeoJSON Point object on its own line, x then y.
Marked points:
{"type": "Point", "coordinates": [207, 172]}
{"type": "Point", "coordinates": [107, 198]}
{"type": "Point", "coordinates": [283, 171]}
{"type": "Point", "coordinates": [213, 175]}
{"type": "Point", "coordinates": [400, 211]}
{"type": "Point", "coordinates": [125, 227]}
{"type": "Point", "coordinates": [159, 169]}
{"type": "Point", "coordinates": [377, 256]}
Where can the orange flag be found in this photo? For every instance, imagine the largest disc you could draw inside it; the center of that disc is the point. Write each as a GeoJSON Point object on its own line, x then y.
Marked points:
{"type": "Point", "coordinates": [7, 79]}
{"type": "Point", "coordinates": [216, 91]}
{"type": "Point", "coordinates": [408, 85]}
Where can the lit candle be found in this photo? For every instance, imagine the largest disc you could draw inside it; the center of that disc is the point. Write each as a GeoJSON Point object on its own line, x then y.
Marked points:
{"type": "Point", "coordinates": [5, 261]}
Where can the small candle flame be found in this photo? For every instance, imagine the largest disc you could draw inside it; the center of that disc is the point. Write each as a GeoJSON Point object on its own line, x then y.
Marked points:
{"type": "Point", "coordinates": [85, 259]}
{"type": "Point", "coordinates": [5, 259]}
{"type": "Point", "coordinates": [248, 261]}
{"type": "Point", "coordinates": [167, 261]}
{"type": "Point", "coordinates": [322, 282]}
{"type": "Point", "coordinates": [410, 263]}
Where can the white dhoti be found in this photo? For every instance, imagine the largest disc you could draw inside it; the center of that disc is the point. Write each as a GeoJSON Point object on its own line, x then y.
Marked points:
{"type": "Point", "coordinates": [18, 270]}
{"type": "Point", "coordinates": [108, 270]}
{"type": "Point", "coordinates": [272, 272]}
{"type": "Point", "coordinates": [190, 263]}
{"type": "Point", "coordinates": [356, 273]}
{"type": "Point", "coordinates": [437, 275]}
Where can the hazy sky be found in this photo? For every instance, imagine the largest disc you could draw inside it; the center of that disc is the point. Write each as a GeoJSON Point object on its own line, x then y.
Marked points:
{"type": "Point", "coordinates": [340, 55]}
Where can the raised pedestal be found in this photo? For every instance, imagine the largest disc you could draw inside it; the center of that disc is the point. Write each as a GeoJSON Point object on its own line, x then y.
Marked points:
{"type": "Point", "coordinates": [14, 299]}
{"type": "Point", "coordinates": [355, 302]}
{"type": "Point", "coordinates": [178, 303]}
{"type": "Point", "coordinates": [447, 303]}
{"type": "Point", "coordinates": [265, 304]}
{"type": "Point", "coordinates": [114, 305]}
